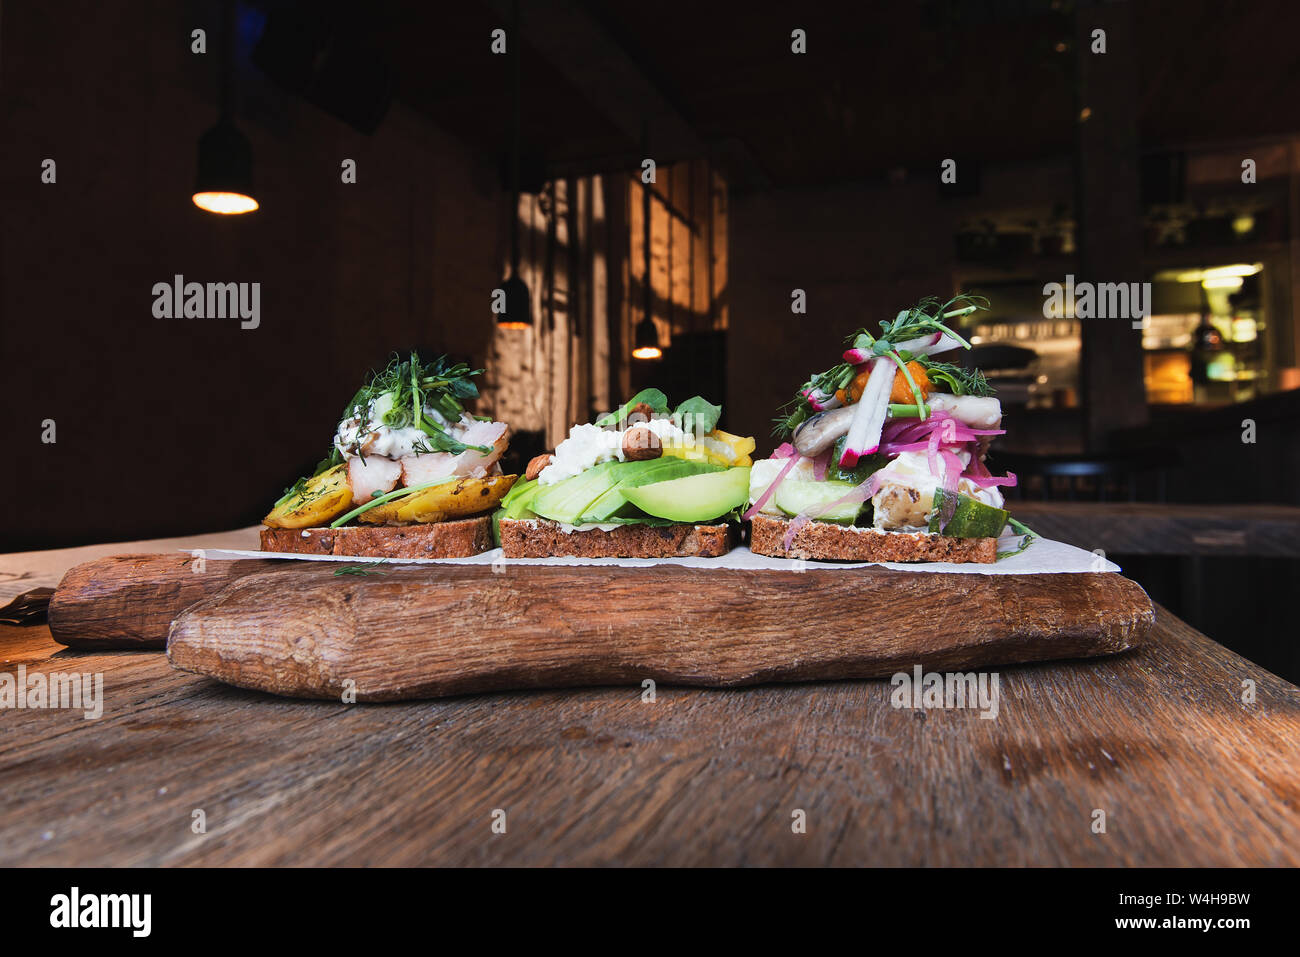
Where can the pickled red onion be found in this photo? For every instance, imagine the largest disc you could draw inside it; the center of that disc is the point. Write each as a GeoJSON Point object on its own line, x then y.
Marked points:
{"type": "Point", "coordinates": [771, 489]}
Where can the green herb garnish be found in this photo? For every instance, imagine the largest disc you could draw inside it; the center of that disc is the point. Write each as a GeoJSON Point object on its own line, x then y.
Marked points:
{"type": "Point", "coordinates": [961, 381]}
{"type": "Point", "coordinates": [388, 497]}
{"type": "Point", "coordinates": [424, 395]}
{"type": "Point", "coordinates": [1020, 528]}
{"type": "Point", "coordinates": [704, 415]}
{"type": "Point", "coordinates": [297, 488]}
{"type": "Point", "coordinates": [926, 317]}
{"type": "Point", "coordinates": [368, 568]}
{"type": "Point", "coordinates": [654, 398]}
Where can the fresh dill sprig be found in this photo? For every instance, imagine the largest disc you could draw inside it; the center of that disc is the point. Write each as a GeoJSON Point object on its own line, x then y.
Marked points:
{"type": "Point", "coordinates": [926, 316]}
{"type": "Point", "coordinates": [368, 568]}
{"type": "Point", "coordinates": [800, 408]}
{"type": "Point", "coordinates": [961, 381]}
{"type": "Point", "coordinates": [428, 396]}
{"type": "Point", "coordinates": [1020, 528]}
{"type": "Point", "coordinates": [298, 488]}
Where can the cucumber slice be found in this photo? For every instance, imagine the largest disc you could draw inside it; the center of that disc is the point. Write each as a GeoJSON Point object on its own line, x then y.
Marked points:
{"type": "Point", "coordinates": [796, 496]}
{"type": "Point", "coordinates": [860, 472]}
{"type": "Point", "coordinates": [970, 519]}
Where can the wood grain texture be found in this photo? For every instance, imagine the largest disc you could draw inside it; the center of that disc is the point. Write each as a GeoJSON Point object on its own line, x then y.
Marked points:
{"type": "Point", "coordinates": [1157, 737]}
{"type": "Point", "coordinates": [418, 632]}
{"type": "Point", "coordinates": [1144, 528]}
{"type": "Point", "coordinates": [129, 601]}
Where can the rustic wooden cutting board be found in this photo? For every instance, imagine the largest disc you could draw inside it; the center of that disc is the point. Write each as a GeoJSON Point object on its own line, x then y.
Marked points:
{"type": "Point", "coordinates": [427, 631]}
{"type": "Point", "coordinates": [129, 601]}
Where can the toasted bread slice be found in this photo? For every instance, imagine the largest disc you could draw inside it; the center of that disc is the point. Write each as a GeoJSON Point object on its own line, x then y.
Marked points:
{"type": "Point", "coordinates": [541, 538]}
{"type": "Point", "coordinates": [459, 539]}
{"type": "Point", "coordinates": [824, 541]}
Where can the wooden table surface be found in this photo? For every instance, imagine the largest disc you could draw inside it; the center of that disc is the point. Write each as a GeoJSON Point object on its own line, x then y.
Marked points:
{"type": "Point", "coordinates": [1155, 528]}
{"type": "Point", "coordinates": [1158, 739]}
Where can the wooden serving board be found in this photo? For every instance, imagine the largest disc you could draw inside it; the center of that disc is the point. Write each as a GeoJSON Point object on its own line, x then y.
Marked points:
{"type": "Point", "coordinates": [427, 631]}
{"type": "Point", "coordinates": [129, 601]}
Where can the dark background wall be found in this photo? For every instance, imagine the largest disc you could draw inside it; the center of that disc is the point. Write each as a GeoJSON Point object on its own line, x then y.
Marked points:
{"type": "Point", "coordinates": [827, 165]}
{"type": "Point", "coordinates": [183, 425]}
{"type": "Point", "coordinates": [840, 246]}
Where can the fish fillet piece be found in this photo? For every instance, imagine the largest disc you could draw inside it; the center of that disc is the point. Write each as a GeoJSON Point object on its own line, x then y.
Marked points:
{"type": "Point", "coordinates": [476, 464]}
{"type": "Point", "coordinates": [427, 467]}
{"type": "Point", "coordinates": [374, 473]}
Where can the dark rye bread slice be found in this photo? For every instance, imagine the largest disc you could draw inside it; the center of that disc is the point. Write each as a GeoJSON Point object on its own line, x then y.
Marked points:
{"type": "Point", "coordinates": [824, 541]}
{"type": "Point", "coordinates": [541, 538]}
{"type": "Point", "coordinates": [462, 538]}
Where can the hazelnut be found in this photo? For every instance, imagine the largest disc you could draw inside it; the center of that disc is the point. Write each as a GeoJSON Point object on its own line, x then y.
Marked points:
{"type": "Point", "coordinates": [536, 465]}
{"type": "Point", "coordinates": [640, 444]}
{"type": "Point", "coordinates": [639, 413]}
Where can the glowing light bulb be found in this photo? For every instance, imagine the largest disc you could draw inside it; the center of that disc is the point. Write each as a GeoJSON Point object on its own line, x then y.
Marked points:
{"type": "Point", "coordinates": [227, 204]}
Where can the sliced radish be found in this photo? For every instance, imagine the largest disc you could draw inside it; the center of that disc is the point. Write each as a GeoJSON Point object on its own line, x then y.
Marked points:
{"type": "Point", "coordinates": [869, 416]}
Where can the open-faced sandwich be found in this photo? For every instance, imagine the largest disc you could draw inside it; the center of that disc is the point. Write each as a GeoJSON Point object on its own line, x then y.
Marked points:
{"type": "Point", "coordinates": [641, 482]}
{"type": "Point", "coordinates": [411, 474]}
{"type": "Point", "coordinates": [885, 453]}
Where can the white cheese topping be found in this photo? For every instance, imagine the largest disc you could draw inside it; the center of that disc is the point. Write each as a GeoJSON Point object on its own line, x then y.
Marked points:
{"type": "Point", "coordinates": [373, 437]}
{"type": "Point", "coordinates": [589, 445]}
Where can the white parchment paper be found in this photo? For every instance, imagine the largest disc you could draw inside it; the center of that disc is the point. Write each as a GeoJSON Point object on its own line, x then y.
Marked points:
{"type": "Point", "coordinates": [1043, 557]}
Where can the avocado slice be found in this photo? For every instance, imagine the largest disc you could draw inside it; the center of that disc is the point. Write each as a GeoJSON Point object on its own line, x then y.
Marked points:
{"type": "Point", "coordinates": [520, 506]}
{"type": "Point", "coordinates": [519, 489]}
{"type": "Point", "coordinates": [569, 499]}
{"type": "Point", "coordinates": [696, 498]}
{"type": "Point", "coordinates": [636, 474]}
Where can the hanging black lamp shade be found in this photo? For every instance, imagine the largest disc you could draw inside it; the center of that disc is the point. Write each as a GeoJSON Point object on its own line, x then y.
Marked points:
{"type": "Point", "coordinates": [519, 305]}
{"type": "Point", "coordinates": [225, 180]}
{"type": "Point", "coordinates": [646, 345]}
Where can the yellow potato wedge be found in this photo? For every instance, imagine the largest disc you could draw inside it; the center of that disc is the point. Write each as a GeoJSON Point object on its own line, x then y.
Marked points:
{"type": "Point", "coordinates": [468, 496]}
{"type": "Point", "coordinates": [716, 448]}
{"type": "Point", "coordinates": [740, 446]}
{"type": "Point", "coordinates": [455, 500]}
{"type": "Point", "coordinates": [322, 499]}
{"type": "Point", "coordinates": [385, 514]}
{"type": "Point", "coordinates": [691, 454]}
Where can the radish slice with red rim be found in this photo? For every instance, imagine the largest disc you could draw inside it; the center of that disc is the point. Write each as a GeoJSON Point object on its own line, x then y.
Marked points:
{"type": "Point", "coordinates": [869, 416]}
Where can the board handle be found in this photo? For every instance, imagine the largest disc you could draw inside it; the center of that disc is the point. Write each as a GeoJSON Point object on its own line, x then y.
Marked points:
{"type": "Point", "coordinates": [129, 601]}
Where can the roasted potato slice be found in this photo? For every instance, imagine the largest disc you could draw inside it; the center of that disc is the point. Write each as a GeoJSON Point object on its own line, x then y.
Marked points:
{"type": "Point", "coordinates": [385, 514]}
{"type": "Point", "coordinates": [322, 499]}
{"type": "Point", "coordinates": [467, 496]}
{"type": "Point", "coordinates": [455, 499]}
